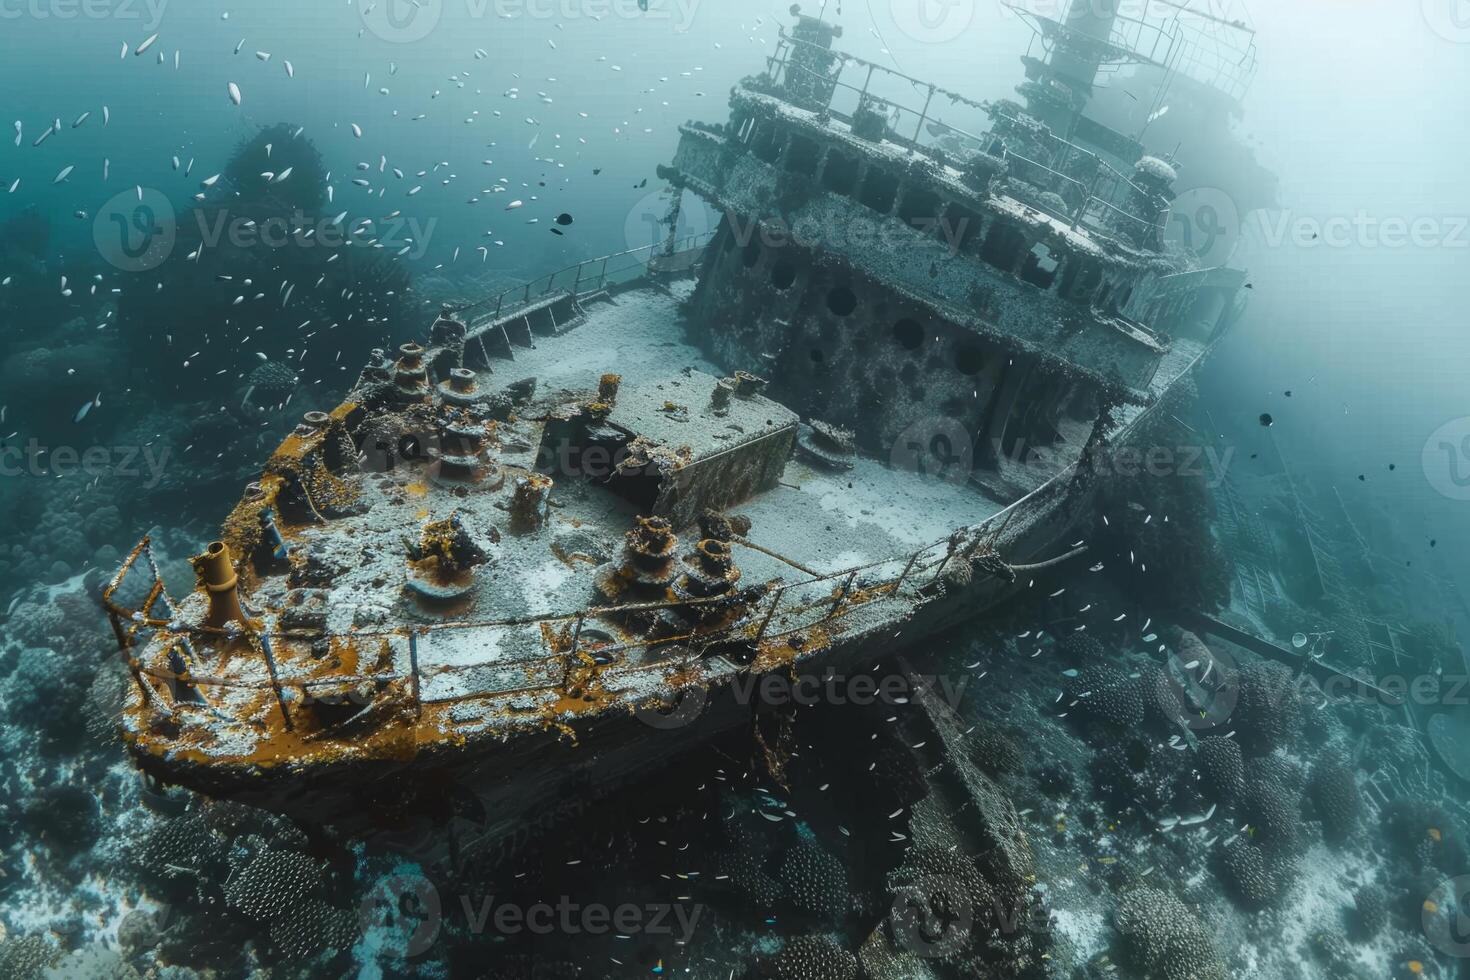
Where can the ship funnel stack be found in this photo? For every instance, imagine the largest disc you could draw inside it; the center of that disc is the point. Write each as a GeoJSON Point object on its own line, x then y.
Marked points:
{"type": "Point", "coordinates": [1061, 87]}
{"type": "Point", "coordinates": [811, 76]}
{"type": "Point", "coordinates": [216, 571]}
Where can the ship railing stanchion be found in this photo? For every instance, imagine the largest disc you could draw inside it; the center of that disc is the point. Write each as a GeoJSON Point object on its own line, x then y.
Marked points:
{"type": "Point", "coordinates": [263, 643]}
{"type": "Point", "coordinates": [413, 666]}
{"type": "Point", "coordinates": [903, 575]}
{"type": "Point", "coordinates": [770, 614]}
{"type": "Point", "coordinates": [923, 116]}
{"type": "Point", "coordinates": [577, 632]}
{"type": "Point", "coordinates": [842, 595]}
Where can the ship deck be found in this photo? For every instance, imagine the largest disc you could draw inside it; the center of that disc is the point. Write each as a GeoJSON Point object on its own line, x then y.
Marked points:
{"type": "Point", "coordinates": [820, 520]}
{"type": "Point", "coordinates": [496, 660]}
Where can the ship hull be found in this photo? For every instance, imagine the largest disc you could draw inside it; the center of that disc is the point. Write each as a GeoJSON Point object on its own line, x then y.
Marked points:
{"type": "Point", "coordinates": [496, 795]}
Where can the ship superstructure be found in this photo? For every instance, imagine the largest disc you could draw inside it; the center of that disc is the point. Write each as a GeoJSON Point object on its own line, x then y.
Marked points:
{"type": "Point", "coordinates": [861, 411]}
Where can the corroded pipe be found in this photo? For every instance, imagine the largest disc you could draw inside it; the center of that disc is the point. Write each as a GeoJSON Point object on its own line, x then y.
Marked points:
{"type": "Point", "coordinates": [216, 571]}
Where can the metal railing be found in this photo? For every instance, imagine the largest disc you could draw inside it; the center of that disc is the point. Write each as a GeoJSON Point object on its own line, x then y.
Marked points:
{"type": "Point", "coordinates": [780, 609]}
{"type": "Point", "coordinates": [1197, 44]}
{"type": "Point", "coordinates": [1104, 194]}
{"type": "Point", "coordinates": [581, 280]}
{"type": "Point", "coordinates": [780, 65]}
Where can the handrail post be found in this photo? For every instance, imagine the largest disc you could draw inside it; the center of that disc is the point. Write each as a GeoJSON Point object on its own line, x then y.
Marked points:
{"type": "Point", "coordinates": [770, 614]}
{"type": "Point", "coordinates": [602, 278]}
{"type": "Point", "coordinates": [270, 665]}
{"type": "Point", "coordinates": [913, 560]}
{"type": "Point", "coordinates": [577, 633]}
{"type": "Point", "coordinates": [842, 596]}
{"type": "Point", "coordinates": [413, 666]}
{"type": "Point", "coordinates": [924, 115]}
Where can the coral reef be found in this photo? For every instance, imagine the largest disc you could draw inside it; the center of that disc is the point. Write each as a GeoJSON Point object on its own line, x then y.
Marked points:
{"type": "Point", "coordinates": [1222, 769]}
{"type": "Point", "coordinates": [811, 958]}
{"type": "Point", "coordinates": [1334, 790]}
{"type": "Point", "coordinates": [1164, 939]}
{"type": "Point", "coordinates": [1268, 709]}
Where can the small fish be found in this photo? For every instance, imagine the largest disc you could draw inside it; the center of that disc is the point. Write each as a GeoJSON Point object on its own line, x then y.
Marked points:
{"type": "Point", "coordinates": [235, 95]}
{"type": "Point", "coordinates": [146, 44]}
{"type": "Point", "coordinates": [86, 409]}
{"type": "Point", "coordinates": [65, 173]}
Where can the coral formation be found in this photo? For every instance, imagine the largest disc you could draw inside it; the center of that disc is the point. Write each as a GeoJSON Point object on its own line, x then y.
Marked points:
{"type": "Point", "coordinates": [1164, 939]}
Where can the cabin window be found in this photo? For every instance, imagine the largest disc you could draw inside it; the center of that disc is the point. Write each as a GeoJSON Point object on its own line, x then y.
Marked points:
{"type": "Point", "coordinates": [842, 301]}
{"type": "Point", "coordinates": [1003, 246]}
{"type": "Point", "coordinates": [880, 189]}
{"type": "Point", "coordinates": [803, 155]}
{"type": "Point", "coordinates": [768, 140]}
{"type": "Point", "coordinates": [909, 334]}
{"type": "Point", "coordinates": [841, 175]}
{"type": "Point", "coordinates": [961, 228]}
{"type": "Point", "coordinates": [920, 210]}
{"type": "Point", "coordinates": [1040, 267]}
{"type": "Point", "coordinates": [1080, 279]}
{"type": "Point", "coordinates": [783, 276]}
{"type": "Point", "coordinates": [969, 359]}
